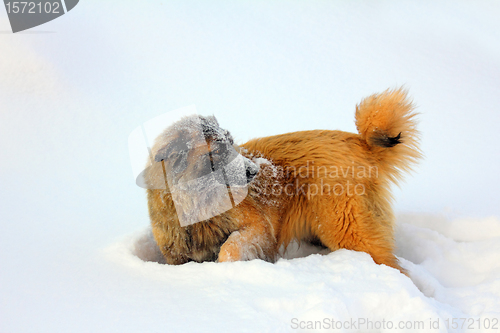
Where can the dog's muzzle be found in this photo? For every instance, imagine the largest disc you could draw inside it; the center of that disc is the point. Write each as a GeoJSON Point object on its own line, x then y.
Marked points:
{"type": "Point", "coordinates": [251, 169]}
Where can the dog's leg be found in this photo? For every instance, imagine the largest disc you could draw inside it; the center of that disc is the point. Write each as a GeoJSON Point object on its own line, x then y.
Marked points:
{"type": "Point", "coordinates": [381, 250]}
{"type": "Point", "coordinates": [173, 254]}
{"type": "Point", "coordinates": [357, 230]}
{"type": "Point", "coordinates": [254, 240]}
{"type": "Point", "coordinates": [376, 245]}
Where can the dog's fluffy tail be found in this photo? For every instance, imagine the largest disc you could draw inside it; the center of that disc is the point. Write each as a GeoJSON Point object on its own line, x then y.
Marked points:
{"type": "Point", "coordinates": [386, 121]}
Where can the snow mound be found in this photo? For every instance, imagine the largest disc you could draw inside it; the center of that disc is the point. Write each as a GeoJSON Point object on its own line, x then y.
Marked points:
{"type": "Point", "coordinates": [454, 261]}
{"type": "Point", "coordinates": [450, 278]}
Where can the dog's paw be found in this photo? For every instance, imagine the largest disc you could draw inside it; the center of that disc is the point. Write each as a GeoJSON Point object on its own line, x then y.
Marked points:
{"type": "Point", "coordinates": [229, 253]}
{"type": "Point", "coordinates": [230, 250]}
{"type": "Point", "coordinates": [237, 248]}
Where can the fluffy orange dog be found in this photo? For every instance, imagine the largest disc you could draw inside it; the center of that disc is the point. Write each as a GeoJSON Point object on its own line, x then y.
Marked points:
{"type": "Point", "coordinates": [324, 186]}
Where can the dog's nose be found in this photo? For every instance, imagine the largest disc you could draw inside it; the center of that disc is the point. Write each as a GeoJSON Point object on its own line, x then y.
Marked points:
{"type": "Point", "coordinates": [251, 173]}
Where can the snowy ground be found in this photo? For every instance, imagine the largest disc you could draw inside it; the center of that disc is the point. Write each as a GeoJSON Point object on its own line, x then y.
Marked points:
{"type": "Point", "coordinates": [454, 274]}
{"type": "Point", "coordinates": [75, 253]}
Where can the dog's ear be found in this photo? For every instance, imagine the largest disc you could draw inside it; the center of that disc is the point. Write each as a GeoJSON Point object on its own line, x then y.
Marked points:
{"type": "Point", "coordinates": [177, 146]}
{"type": "Point", "coordinates": [163, 153]}
{"type": "Point", "coordinates": [178, 161]}
{"type": "Point", "coordinates": [176, 152]}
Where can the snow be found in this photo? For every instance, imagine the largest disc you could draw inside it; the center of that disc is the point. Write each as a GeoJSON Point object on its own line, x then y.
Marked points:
{"type": "Point", "coordinates": [450, 278]}
{"type": "Point", "coordinates": [75, 250]}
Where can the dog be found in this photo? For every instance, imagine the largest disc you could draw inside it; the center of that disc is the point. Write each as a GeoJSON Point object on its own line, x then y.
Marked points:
{"type": "Point", "coordinates": [322, 186]}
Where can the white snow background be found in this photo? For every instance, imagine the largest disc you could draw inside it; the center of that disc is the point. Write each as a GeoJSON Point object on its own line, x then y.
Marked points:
{"type": "Point", "coordinates": [74, 239]}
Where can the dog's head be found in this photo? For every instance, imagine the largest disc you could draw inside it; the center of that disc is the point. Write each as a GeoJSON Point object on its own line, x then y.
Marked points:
{"type": "Point", "coordinates": [196, 147]}
{"type": "Point", "coordinates": [199, 164]}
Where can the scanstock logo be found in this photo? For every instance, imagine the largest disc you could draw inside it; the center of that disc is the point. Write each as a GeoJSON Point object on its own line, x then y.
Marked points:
{"type": "Point", "coordinates": [28, 14]}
